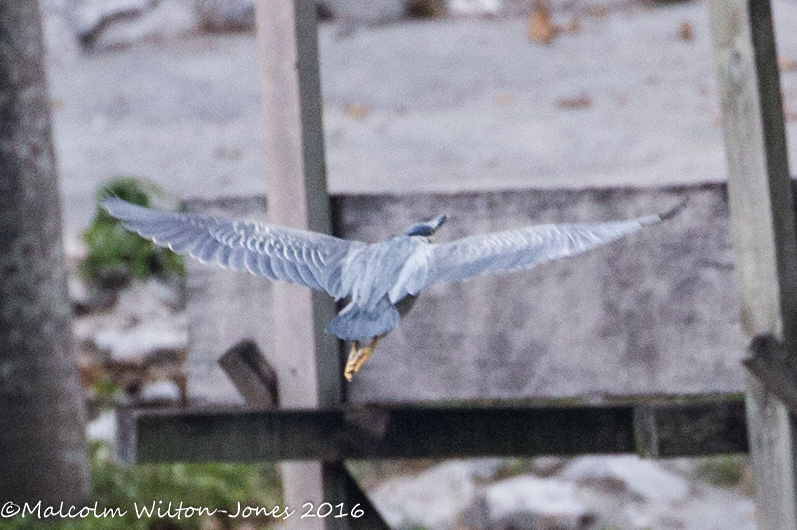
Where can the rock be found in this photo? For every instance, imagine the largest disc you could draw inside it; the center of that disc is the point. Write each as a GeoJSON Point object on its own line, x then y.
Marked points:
{"type": "Point", "coordinates": [150, 299]}
{"type": "Point", "coordinates": [218, 16]}
{"type": "Point", "coordinates": [160, 392]}
{"type": "Point", "coordinates": [432, 499]}
{"type": "Point", "coordinates": [59, 35]}
{"type": "Point", "coordinates": [102, 429]}
{"type": "Point", "coordinates": [119, 23]}
{"type": "Point", "coordinates": [638, 479]}
{"type": "Point", "coordinates": [484, 469]}
{"type": "Point", "coordinates": [367, 11]}
{"type": "Point", "coordinates": [143, 341]}
{"type": "Point", "coordinates": [545, 466]}
{"type": "Point", "coordinates": [91, 14]}
{"type": "Point", "coordinates": [473, 7]}
{"type": "Point", "coordinates": [221, 16]}
{"type": "Point", "coordinates": [79, 295]}
{"type": "Point", "coordinates": [532, 503]}
{"type": "Point", "coordinates": [143, 324]}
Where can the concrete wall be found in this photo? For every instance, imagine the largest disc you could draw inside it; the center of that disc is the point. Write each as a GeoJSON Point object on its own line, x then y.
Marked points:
{"type": "Point", "coordinates": [224, 308]}
{"type": "Point", "coordinates": [655, 313]}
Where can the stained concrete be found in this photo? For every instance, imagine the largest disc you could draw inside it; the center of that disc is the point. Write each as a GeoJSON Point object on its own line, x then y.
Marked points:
{"type": "Point", "coordinates": [654, 313]}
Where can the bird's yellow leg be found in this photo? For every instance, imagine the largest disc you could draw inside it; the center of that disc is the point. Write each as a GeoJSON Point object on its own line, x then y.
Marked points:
{"type": "Point", "coordinates": [358, 355]}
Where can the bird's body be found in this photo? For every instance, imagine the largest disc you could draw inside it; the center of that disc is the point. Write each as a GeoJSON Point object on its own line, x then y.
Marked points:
{"type": "Point", "coordinates": [378, 282]}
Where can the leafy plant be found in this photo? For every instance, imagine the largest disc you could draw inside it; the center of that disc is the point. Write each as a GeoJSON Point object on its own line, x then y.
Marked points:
{"type": "Point", "coordinates": [208, 485]}
{"type": "Point", "coordinates": [115, 255]}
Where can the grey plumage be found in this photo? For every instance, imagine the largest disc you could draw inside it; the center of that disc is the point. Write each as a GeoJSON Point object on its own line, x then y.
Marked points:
{"type": "Point", "coordinates": [371, 278]}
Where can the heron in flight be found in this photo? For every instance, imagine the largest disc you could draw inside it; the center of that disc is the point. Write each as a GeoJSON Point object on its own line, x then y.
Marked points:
{"type": "Point", "coordinates": [378, 282]}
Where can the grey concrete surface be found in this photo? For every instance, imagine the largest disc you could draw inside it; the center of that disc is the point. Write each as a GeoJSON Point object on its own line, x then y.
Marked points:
{"type": "Point", "coordinates": [223, 308]}
{"type": "Point", "coordinates": [655, 313]}
{"type": "Point", "coordinates": [438, 106]}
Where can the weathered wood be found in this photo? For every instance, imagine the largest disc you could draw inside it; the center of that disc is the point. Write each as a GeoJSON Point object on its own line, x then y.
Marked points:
{"type": "Point", "coordinates": [251, 374]}
{"type": "Point", "coordinates": [371, 518]}
{"type": "Point", "coordinates": [772, 364]}
{"type": "Point", "coordinates": [700, 429]}
{"type": "Point", "coordinates": [762, 222]}
{"type": "Point", "coordinates": [42, 442]}
{"type": "Point", "coordinates": [306, 359]}
{"type": "Point", "coordinates": [256, 381]}
{"type": "Point", "coordinates": [440, 432]}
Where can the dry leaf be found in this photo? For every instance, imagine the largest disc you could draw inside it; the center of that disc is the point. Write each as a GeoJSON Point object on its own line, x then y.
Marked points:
{"type": "Point", "coordinates": [358, 111]}
{"type": "Point", "coordinates": [504, 99]}
{"type": "Point", "coordinates": [596, 11]}
{"type": "Point", "coordinates": [577, 102]}
{"type": "Point", "coordinates": [571, 27]}
{"type": "Point", "coordinates": [787, 65]}
{"type": "Point", "coordinates": [686, 33]}
{"type": "Point", "coordinates": [540, 28]}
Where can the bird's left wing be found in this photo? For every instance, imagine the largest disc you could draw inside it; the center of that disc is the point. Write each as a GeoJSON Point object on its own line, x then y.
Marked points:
{"type": "Point", "coordinates": [277, 252]}
{"type": "Point", "coordinates": [524, 248]}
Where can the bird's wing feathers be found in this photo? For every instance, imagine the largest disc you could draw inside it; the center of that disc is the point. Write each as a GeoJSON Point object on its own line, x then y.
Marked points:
{"type": "Point", "coordinates": [277, 252]}
{"type": "Point", "coordinates": [523, 249]}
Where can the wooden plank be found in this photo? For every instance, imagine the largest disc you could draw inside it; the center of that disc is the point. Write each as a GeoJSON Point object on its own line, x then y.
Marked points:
{"type": "Point", "coordinates": [306, 359]}
{"type": "Point", "coordinates": [762, 222]}
{"type": "Point", "coordinates": [255, 380]}
{"type": "Point", "coordinates": [413, 432]}
{"type": "Point", "coordinates": [251, 374]}
{"type": "Point", "coordinates": [772, 364]}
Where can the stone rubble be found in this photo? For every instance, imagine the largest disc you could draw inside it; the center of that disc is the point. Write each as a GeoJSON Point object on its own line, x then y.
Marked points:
{"type": "Point", "coordinates": [586, 493]}
{"type": "Point", "coordinates": [139, 344]}
{"type": "Point", "coordinates": [107, 24]}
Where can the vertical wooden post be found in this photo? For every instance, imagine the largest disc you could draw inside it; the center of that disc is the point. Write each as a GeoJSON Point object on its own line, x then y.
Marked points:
{"type": "Point", "coordinates": [306, 359]}
{"type": "Point", "coordinates": [762, 222]}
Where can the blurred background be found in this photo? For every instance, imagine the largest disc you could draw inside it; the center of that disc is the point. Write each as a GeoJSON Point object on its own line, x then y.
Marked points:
{"type": "Point", "coordinates": [162, 97]}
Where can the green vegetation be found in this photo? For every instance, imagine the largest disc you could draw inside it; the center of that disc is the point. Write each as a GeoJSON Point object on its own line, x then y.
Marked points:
{"type": "Point", "coordinates": [210, 485]}
{"type": "Point", "coordinates": [728, 470]}
{"type": "Point", "coordinates": [117, 256]}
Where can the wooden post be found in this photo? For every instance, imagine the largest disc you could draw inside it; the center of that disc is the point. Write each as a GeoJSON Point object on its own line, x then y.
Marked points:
{"type": "Point", "coordinates": [762, 222]}
{"type": "Point", "coordinates": [306, 359]}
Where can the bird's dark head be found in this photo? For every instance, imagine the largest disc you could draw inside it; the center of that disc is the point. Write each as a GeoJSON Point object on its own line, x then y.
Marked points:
{"type": "Point", "coordinates": [428, 228]}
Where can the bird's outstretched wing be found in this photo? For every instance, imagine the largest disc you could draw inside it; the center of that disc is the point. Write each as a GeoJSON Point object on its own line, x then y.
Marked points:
{"type": "Point", "coordinates": [277, 252]}
{"type": "Point", "coordinates": [524, 248]}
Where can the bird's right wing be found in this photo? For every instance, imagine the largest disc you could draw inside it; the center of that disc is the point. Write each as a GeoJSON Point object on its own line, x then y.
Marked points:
{"type": "Point", "coordinates": [524, 248]}
{"type": "Point", "coordinates": [277, 252]}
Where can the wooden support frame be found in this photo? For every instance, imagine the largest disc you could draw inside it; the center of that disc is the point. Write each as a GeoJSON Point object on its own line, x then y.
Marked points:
{"type": "Point", "coordinates": [256, 381]}
{"type": "Point", "coordinates": [233, 435]}
{"type": "Point", "coordinates": [306, 359]}
{"type": "Point", "coordinates": [763, 226]}
{"type": "Point", "coordinates": [308, 363]}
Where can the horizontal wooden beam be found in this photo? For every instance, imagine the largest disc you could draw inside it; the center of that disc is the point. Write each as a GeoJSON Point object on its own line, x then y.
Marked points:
{"type": "Point", "coordinates": [235, 435]}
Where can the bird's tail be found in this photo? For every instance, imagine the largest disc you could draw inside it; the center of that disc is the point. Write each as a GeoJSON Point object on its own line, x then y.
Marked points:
{"type": "Point", "coordinates": [361, 323]}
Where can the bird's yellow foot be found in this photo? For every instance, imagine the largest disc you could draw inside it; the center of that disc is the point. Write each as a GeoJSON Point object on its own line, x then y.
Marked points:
{"type": "Point", "coordinates": [358, 355]}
